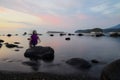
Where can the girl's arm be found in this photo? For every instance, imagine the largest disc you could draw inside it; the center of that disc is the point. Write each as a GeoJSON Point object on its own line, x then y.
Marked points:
{"type": "Point", "coordinates": [39, 39]}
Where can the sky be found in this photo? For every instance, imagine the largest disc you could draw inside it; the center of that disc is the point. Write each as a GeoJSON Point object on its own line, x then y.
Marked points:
{"type": "Point", "coordinates": [59, 15]}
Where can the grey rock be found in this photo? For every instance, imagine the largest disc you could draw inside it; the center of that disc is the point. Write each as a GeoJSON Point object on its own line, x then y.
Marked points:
{"type": "Point", "coordinates": [39, 52]}
{"type": "Point", "coordinates": [10, 45]}
{"type": "Point", "coordinates": [79, 63]}
{"type": "Point", "coordinates": [111, 71]}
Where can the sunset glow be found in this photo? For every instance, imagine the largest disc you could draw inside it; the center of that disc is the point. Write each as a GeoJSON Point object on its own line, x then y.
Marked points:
{"type": "Point", "coordinates": [66, 14]}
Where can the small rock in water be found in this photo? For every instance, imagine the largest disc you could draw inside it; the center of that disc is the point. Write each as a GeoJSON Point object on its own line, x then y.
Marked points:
{"type": "Point", "coordinates": [67, 38]}
{"type": "Point", "coordinates": [16, 34]}
{"type": "Point", "coordinates": [62, 34]}
{"type": "Point", "coordinates": [20, 47]}
{"type": "Point", "coordinates": [1, 40]}
{"type": "Point", "coordinates": [80, 34]}
{"type": "Point", "coordinates": [10, 45]}
{"type": "Point", "coordinates": [9, 35]}
{"type": "Point", "coordinates": [94, 61]}
{"type": "Point", "coordinates": [0, 45]}
{"type": "Point", "coordinates": [16, 42]}
{"type": "Point", "coordinates": [25, 33]}
{"type": "Point", "coordinates": [51, 35]}
{"type": "Point", "coordinates": [17, 50]}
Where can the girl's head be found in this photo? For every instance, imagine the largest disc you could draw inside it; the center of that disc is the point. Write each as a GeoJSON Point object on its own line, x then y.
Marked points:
{"type": "Point", "coordinates": [34, 32]}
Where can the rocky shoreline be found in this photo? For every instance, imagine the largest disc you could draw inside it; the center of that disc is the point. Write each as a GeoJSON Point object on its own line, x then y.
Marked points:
{"type": "Point", "coordinates": [8, 75]}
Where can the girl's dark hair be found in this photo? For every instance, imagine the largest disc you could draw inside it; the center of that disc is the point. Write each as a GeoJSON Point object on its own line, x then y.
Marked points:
{"type": "Point", "coordinates": [34, 32]}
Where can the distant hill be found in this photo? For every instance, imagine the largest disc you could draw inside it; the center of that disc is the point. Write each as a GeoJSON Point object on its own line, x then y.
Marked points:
{"type": "Point", "coordinates": [115, 28]}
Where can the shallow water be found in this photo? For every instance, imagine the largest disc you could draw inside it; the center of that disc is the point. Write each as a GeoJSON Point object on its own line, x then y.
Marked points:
{"type": "Point", "coordinates": [104, 49]}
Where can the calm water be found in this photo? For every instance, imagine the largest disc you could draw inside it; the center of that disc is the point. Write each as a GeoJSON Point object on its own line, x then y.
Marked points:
{"type": "Point", "coordinates": [104, 49]}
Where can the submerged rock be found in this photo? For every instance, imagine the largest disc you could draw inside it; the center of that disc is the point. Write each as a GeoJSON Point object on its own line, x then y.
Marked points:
{"type": "Point", "coordinates": [16, 42]}
{"type": "Point", "coordinates": [39, 52]}
{"type": "Point", "coordinates": [62, 34]}
{"type": "Point", "coordinates": [67, 38]}
{"type": "Point", "coordinates": [79, 63]}
{"type": "Point", "coordinates": [25, 33]}
{"type": "Point", "coordinates": [0, 45]}
{"type": "Point", "coordinates": [80, 34]}
{"type": "Point", "coordinates": [9, 35]}
{"type": "Point", "coordinates": [10, 45]}
{"type": "Point", "coordinates": [17, 50]}
{"type": "Point", "coordinates": [111, 71]}
{"type": "Point", "coordinates": [1, 41]}
{"type": "Point", "coordinates": [95, 61]}
{"type": "Point", "coordinates": [51, 35]}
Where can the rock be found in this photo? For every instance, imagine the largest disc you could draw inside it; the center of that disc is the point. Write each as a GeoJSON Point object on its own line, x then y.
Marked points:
{"type": "Point", "coordinates": [17, 50]}
{"type": "Point", "coordinates": [9, 35]}
{"type": "Point", "coordinates": [10, 45]}
{"type": "Point", "coordinates": [111, 71]}
{"type": "Point", "coordinates": [1, 41]}
{"type": "Point", "coordinates": [51, 35]}
{"type": "Point", "coordinates": [39, 52]}
{"type": "Point", "coordinates": [94, 61]}
{"type": "Point", "coordinates": [25, 33]}
{"type": "Point", "coordinates": [16, 34]}
{"type": "Point", "coordinates": [0, 45]}
{"type": "Point", "coordinates": [79, 63]}
{"type": "Point", "coordinates": [16, 42]}
{"type": "Point", "coordinates": [114, 34]}
{"type": "Point", "coordinates": [80, 34]}
{"type": "Point", "coordinates": [20, 47]}
{"type": "Point", "coordinates": [62, 34]}
{"type": "Point", "coordinates": [67, 38]}
{"type": "Point", "coordinates": [70, 34]}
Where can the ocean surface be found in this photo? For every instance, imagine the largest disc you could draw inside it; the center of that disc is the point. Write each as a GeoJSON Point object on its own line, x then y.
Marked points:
{"type": "Point", "coordinates": [104, 49]}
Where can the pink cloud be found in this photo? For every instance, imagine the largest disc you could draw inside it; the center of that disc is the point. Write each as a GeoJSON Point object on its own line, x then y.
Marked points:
{"type": "Point", "coordinates": [2, 10]}
{"type": "Point", "coordinates": [51, 19]}
{"type": "Point", "coordinates": [82, 16]}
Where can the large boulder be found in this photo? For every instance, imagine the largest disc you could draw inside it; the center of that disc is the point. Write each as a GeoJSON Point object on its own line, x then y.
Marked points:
{"type": "Point", "coordinates": [111, 71]}
{"type": "Point", "coordinates": [79, 63]}
{"type": "Point", "coordinates": [46, 53]}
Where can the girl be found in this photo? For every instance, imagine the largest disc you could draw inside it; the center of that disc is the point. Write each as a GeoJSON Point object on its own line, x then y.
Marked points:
{"type": "Point", "coordinates": [34, 39]}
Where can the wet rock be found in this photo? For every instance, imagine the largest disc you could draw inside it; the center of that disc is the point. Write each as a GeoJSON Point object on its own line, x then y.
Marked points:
{"type": "Point", "coordinates": [20, 47]}
{"type": "Point", "coordinates": [79, 63]}
{"type": "Point", "coordinates": [25, 33]}
{"type": "Point", "coordinates": [79, 34]}
{"type": "Point", "coordinates": [1, 41]}
{"type": "Point", "coordinates": [51, 35]}
{"type": "Point", "coordinates": [17, 50]}
{"type": "Point", "coordinates": [9, 35]}
{"type": "Point", "coordinates": [114, 34]}
{"type": "Point", "coordinates": [39, 52]}
{"type": "Point", "coordinates": [0, 45]}
{"type": "Point", "coordinates": [95, 61]}
{"type": "Point", "coordinates": [70, 34]}
{"type": "Point", "coordinates": [62, 34]}
{"type": "Point", "coordinates": [10, 45]}
{"type": "Point", "coordinates": [16, 42]}
{"type": "Point", "coordinates": [67, 38]}
{"type": "Point", "coordinates": [111, 71]}
{"type": "Point", "coordinates": [16, 34]}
